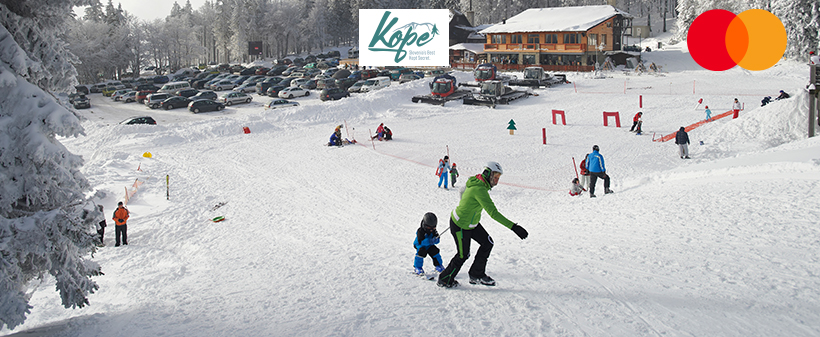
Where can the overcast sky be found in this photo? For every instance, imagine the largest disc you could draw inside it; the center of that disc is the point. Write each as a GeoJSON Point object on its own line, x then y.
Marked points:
{"type": "Point", "coordinates": [146, 9]}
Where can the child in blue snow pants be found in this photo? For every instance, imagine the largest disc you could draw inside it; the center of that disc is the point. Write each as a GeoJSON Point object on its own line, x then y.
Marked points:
{"type": "Point", "coordinates": [425, 243]}
{"type": "Point", "coordinates": [443, 171]}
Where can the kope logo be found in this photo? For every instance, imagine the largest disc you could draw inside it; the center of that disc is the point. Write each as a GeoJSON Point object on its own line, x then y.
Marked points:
{"type": "Point", "coordinates": [719, 40]}
{"type": "Point", "coordinates": [406, 37]}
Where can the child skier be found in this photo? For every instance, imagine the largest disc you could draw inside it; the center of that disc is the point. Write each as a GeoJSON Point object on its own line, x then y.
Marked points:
{"type": "Point", "coordinates": [443, 170]}
{"type": "Point", "coordinates": [425, 243]}
{"type": "Point", "coordinates": [453, 175]}
{"type": "Point", "coordinates": [708, 114]}
{"type": "Point", "coordinates": [576, 188]}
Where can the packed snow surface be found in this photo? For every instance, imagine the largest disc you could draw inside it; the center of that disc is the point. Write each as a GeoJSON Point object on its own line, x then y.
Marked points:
{"type": "Point", "coordinates": [317, 240]}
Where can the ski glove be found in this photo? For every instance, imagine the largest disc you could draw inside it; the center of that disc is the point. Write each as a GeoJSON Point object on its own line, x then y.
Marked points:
{"type": "Point", "coordinates": [435, 240]}
{"type": "Point", "coordinates": [520, 231]}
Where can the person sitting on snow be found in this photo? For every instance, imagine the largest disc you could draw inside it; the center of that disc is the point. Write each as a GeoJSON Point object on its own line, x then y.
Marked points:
{"type": "Point", "coordinates": [576, 188]}
{"type": "Point", "coordinates": [336, 137]}
{"type": "Point", "coordinates": [783, 95]}
{"type": "Point", "coordinates": [766, 100]}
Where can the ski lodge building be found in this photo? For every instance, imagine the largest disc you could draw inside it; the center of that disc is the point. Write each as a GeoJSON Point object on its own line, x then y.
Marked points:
{"type": "Point", "coordinates": [557, 38]}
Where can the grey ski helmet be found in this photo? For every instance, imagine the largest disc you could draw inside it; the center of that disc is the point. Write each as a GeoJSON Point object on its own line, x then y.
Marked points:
{"type": "Point", "coordinates": [488, 171]}
{"type": "Point", "coordinates": [429, 220]}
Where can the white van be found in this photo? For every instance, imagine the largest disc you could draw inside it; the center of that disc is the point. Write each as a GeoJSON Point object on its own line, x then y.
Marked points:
{"type": "Point", "coordinates": [171, 88]}
{"type": "Point", "coordinates": [375, 84]}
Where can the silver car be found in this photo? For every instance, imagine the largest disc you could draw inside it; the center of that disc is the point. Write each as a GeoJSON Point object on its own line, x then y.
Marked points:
{"type": "Point", "coordinates": [234, 97]}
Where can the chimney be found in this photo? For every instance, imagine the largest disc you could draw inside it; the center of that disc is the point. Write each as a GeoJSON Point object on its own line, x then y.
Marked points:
{"type": "Point", "coordinates": [470, 17]}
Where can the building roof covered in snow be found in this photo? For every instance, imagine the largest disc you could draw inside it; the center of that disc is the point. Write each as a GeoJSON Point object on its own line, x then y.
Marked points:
{"type": "Point", "coordinates": [476, 48]}
{"type": "Point", "coordinates": [557, 19]}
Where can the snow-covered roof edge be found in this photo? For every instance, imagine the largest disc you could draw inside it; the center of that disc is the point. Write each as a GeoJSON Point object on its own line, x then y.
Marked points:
{"type": "Point", "coordinates": [557, 19]}
{"type": "Point", "coordinates": [477, 48]}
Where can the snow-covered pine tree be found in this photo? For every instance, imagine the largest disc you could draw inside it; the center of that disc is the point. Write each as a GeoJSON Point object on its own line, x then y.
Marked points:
{"type": "Point", "coordinates": [801, 18]}
{"type": "Point", "coordinates": [46, 224]}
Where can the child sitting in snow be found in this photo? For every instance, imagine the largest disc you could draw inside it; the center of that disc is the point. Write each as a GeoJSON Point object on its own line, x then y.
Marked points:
{"type": "Point", "coordinates": [425, 243]}
{"type": "Point", "coordinates": [576, 188]}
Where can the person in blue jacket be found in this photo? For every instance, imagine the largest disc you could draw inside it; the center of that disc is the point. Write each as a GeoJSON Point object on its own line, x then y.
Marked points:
{"type": "Point", "coordinates": [336, 137]}
{"type": "Point", "coordinates": [597, 169]}
{"type": "Point", "coordinates": [425, 243]}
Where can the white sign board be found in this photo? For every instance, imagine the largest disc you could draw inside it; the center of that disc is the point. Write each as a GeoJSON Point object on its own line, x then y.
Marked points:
{"type": "Point", "coordinates": [404, 37]}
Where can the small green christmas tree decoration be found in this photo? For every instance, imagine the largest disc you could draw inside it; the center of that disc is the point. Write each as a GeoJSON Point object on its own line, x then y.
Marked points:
{"type": "Point", "coordinates": [512, 127]}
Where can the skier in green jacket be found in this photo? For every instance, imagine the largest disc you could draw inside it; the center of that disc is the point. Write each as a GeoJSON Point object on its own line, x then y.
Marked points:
{"type": "Point", "coordinates": [465, 226]}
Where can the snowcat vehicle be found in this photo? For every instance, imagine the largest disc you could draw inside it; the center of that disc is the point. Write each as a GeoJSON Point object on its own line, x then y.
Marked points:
{"type": "Point", "coordinates": [486, 72]}
{"type": "Point", "coordinates": [495, 92]}
{"type": "Point", "coordinates": [536, 77]}
{"type": "Point", "coordinates": [443, 88]}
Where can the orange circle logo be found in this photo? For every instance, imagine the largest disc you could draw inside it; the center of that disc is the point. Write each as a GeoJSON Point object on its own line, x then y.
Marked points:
{"type": "Point", "coordinates": [719, 40]}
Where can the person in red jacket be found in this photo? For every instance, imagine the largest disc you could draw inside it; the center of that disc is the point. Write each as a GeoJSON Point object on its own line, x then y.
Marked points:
{"type": "Point", "coordinates": [379, 132]}
{"type": "Point", "coordinates": [635, 120]}
{"type": "Point", "coordinates": [120, 220]}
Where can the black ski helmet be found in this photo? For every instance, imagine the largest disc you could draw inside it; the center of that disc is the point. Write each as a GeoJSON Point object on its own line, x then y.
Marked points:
{"type": "Point", "coordinates": [595, 148]}
{"type": "Point", "coordinates": [429, 220]}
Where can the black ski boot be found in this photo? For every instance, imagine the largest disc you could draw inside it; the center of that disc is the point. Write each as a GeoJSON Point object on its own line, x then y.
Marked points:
{"type": "Point", "coordinates": [447, 285]}
{"type": "Point", "coordinates": [484, 280]}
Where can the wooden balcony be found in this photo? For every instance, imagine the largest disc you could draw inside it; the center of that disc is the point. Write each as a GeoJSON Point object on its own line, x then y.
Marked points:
{"type": "Point", "coordinates": [535, 47]}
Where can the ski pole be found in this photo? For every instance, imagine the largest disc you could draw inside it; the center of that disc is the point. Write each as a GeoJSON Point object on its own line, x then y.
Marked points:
{"type": "Point", "coordinates": [576, 167]}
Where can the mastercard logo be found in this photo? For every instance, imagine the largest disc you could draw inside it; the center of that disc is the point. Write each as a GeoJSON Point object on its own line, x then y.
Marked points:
{"type": "Point", "coordinates": [719, 40]}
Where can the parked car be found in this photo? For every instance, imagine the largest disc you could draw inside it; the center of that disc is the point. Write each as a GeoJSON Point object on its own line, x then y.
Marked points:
{"type": "Point", "coordinates": [298, 82]}
{"type": "Point", "coordinates": [205, 105]}
{"type": "Point", "coordinates": [153, 100]}
{"type": "Point", "coordinates": [129, 97]}
{"type": "Point", "coordinates": [146, 86]}
{"type": "Point", "coordinates": [187, 92]}
{"type": "Point", "coordinates": [249, 71]}
{"type": "Point", "coordinates": [357, 75]}
{"type": "Point", "coordinates": [434, 73]}
{"type": "Point", "coordinates": [204, 95]}
{"type": "Point", "coordinates": [277, 70]}
{"type": "Point", "coordinates": [109, 90]}
{"type": "Point", "coordinates": [325, 83]}
{"type": "Point", "coordinates": [262, 86]}
{"type": "Point", "coordinates": [404, 78]}
{"type": "Point", "coordinates": [175, 102]}
{"type": "Point", "coordinates": [309, 85]}
{"type": "Point", "coordinates": [200, 84]}
{"type": "Point", "coordinates": [246, 87]}
{"type": "Point", "coordinates": [345, 83]}
{"type": "Point", "coordinates": [280, 103]}
{"type": "Point", "coordinates": [142, 95]}
{"type": "Point", "coordinates": [82, 89]}
{"type": "Point", "coordinates": [356, 87]}
{"type": "Point", "coordinates": [161, 79]}
{"type": "Point", "coordinates": [274, 90]}
{"type": "Point", "coordinates": [117, 95]}
{"type": "Point", "coordinates": [234, 97]}
{"type": "Point", "coordinates": [81, 102]}
{"type": "Point", "coordinates": [139, 120]}
{"type": "Point", "coordinates": [223, 85]}
{"type": "Point", "coordinates": [290, 70]}
{"type": "Point", "coordinates": [375, 83]}
{"type": "Point", "coordinates": [262, 71]}
{"type": "Point", "coordinates": [333, 94]}
{"type": "Point", "coordinates": [292, 92]}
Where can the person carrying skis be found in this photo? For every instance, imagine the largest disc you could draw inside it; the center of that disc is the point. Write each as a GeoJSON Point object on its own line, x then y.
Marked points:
{"type": "Point", "coordinates": [425, 243]}
{"type": "Point", "coordinates": [121, 215]}
{"type": "Point", "coordinates": [597, 170]}
{"type": "Point", "coordinates": [708, 114]}
{"type": "Point", "coordinates": [453, 175]}
{"type": "Point", "coordinates": [443, 171]}
{"type": "Point", "coordinates": [682, 139]}
{"type": "Point", "coordinates": [635, 120]}
{"type": "Point", "coordinates": [465, 225]}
